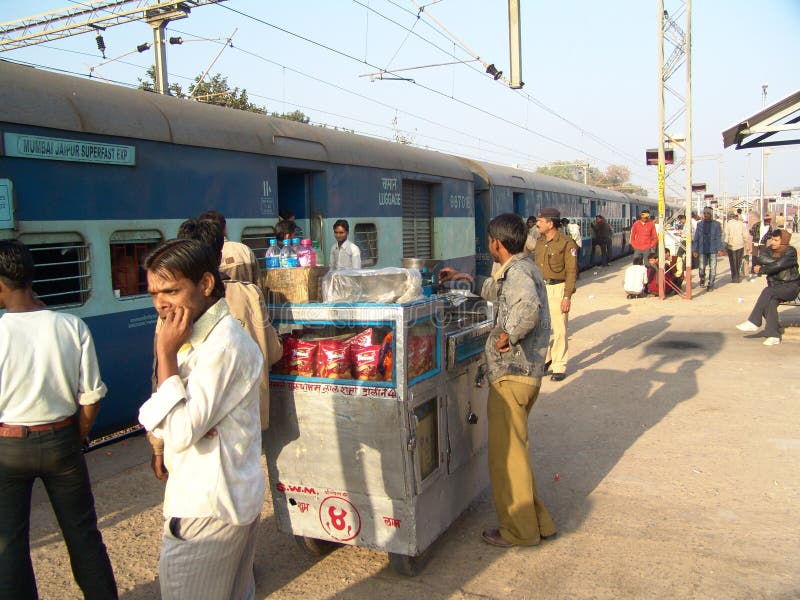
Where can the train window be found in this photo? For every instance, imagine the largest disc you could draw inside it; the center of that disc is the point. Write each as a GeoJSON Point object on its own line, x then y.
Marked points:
{"type": "Point", "coordinates": [257, 238]}
{"type": "Point", "coordinates": [366, 238]}
{"type": "Point", "coordinates": [128, 251]}
{"type": "Point", "coordinates": [61, 268]}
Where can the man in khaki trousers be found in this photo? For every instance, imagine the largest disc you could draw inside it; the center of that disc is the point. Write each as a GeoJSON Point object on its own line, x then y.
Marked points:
{"type": "Point", "coordinates": [515, 354]}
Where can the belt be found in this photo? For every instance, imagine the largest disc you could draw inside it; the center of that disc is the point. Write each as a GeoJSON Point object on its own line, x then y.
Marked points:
{"type": "Point", "coordinates": [21, 431]}
{"type": "Point", "coordinates": [553, 281]}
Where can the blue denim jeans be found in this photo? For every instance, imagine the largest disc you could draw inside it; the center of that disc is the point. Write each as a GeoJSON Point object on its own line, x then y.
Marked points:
{"type": "Point", "coordinates": [708, 261]}
{"type": "Point", "coordinates": [55, 457]}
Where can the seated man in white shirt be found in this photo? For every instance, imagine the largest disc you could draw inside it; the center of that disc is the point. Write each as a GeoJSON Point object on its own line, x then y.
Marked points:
{"type": "Point", "coordinates": [635, 279]}
{"type": "Point", "coordinates": [344, 254]}
{"type": "Point", "coordinates": [206, 411]}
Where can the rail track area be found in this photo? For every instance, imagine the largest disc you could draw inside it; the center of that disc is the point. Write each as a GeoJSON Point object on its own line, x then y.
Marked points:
{"type": "Point", "coordinates": [669, 458]}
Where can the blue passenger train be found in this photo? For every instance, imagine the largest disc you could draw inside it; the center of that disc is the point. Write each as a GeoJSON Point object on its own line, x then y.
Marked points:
{"type": "Point", "coordinates": [93, 176]}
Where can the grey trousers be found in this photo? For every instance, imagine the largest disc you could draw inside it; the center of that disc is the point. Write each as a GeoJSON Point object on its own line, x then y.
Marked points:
{"type": "Point", "coordinates": [207, 558]}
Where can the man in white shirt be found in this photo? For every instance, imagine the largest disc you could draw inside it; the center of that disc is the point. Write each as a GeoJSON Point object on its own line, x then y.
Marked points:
{"type": "Point", "coordinates": [50, 390]}
{"type": "Point", "coordinates": [206, 411]}
{"type": "Point", "coordinates": [344, 254]}
{"type": "Point", "coordinates": [735, 238]}
{"type": "Point", "coordinates": [533, 236]}
{"type": "Point", "coordinates": [573, 230]}
{"type": "Point", "coordinates": [635, 279]}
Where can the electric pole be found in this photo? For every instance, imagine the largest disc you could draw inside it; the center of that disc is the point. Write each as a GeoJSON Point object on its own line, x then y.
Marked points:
{"type": "Point", "coordinates": [670, 32]}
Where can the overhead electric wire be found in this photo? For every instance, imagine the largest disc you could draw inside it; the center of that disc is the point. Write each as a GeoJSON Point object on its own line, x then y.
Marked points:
{"type": "Point", "coordinates": [525, 95]}
{"type": "Point", "coordinates": [425, 87]}
{"type": "Point", "coordinates": [428, 88]}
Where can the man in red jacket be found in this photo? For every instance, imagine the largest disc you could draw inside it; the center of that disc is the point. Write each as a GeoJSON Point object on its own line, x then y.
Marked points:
{"type": "Point", "coordinates": [643, 236]}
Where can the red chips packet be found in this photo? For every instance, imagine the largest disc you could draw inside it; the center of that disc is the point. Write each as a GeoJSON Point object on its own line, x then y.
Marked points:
{"type": "Point", "coordinates": [298, 357]}
{"type": "Point", "coordinates": [333, 360]}
{"type": "Point", "coordinates": [365, 362]}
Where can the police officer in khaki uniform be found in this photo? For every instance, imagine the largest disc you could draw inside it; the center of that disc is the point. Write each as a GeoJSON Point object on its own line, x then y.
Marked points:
{"type": "Point", "coordinates": [556, 255]}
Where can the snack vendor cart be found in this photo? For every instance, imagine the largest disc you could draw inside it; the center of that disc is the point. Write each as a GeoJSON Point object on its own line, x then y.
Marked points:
{"type": "Point", "coordinates": [390, 460]}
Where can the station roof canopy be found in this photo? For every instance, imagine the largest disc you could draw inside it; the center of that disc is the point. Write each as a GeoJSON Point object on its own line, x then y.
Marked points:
{"type": "Point", "coordinates": [776, 125]}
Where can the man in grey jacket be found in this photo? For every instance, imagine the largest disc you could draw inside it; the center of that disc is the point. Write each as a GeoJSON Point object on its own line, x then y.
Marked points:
{"type": "Point", "coordinates": [706, 242]}
{"type": "Point", "coordinates": [515, 355]}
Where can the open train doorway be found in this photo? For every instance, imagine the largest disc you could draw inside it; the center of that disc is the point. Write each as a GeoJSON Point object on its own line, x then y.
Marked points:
{"type": "Point", "coordinates": [520, 205]}
{"type": "Point", "coordinates": [302, 196]}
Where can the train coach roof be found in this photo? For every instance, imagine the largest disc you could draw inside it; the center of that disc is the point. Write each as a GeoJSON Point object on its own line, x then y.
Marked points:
{"type": "Point", "coordinates": [500, 175]}
{"type": "Point", "coordinates": [40, 98]}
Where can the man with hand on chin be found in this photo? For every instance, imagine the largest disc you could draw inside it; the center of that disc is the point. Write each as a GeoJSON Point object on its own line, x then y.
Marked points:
{"type": "Point", "coordinates": [206, 411]}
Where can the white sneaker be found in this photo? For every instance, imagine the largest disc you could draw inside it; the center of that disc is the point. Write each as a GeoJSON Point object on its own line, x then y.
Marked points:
{"type": "Point", "coordinates": [771, 341]}
{"type": "Point", "coordinates": [747, 326]}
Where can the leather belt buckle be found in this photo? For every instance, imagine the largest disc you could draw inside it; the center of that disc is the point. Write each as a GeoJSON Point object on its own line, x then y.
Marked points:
{"type": "Point", "coordinates": [22, 431]}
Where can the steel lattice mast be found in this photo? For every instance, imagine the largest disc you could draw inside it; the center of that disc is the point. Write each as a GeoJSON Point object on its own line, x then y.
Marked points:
{"type": "Point", "coordinates": [91, 17]}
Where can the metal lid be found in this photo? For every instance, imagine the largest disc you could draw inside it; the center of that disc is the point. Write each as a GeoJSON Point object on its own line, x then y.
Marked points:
{"type": "Point", "coordinates": [420, 263]}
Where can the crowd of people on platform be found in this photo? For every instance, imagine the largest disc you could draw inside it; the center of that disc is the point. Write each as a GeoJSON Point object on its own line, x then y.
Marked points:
{"type": "Point", "coordinates": [210, 397]}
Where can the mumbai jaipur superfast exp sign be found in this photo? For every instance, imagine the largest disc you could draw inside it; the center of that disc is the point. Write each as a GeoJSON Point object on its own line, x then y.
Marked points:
{"type": "Point", "coordinates": [47, 148]}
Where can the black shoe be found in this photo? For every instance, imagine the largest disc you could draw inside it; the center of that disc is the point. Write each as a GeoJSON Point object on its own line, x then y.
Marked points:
{"type": "Point", "coordinates": [558, 377]}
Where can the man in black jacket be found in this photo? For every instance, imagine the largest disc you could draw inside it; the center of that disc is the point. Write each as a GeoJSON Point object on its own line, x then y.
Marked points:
{"type": "Point", "coordinates": [779, 263]}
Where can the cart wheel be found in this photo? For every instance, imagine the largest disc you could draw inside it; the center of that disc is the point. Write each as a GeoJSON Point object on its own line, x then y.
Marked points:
{"type": "Point", "coordinates": [410, 566]}
{"type": "Point", "coordinates": [314, 547]}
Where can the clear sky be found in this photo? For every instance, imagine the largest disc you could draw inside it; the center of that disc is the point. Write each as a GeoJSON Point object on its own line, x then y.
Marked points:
{"type": "Point", "coordinates": [589, 67]}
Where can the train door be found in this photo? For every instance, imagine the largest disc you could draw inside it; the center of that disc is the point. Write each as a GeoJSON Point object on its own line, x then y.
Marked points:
{"type": "Point", "coordinates": [593, 208]}
{"type": "Point", "coordinates": [483, 260]}
{"type": "Point", "coordinates": [519, 205]}
{"type": "Point", "coordinates": [417, 219]}
{"type": "Point", "coordinates": [302, 193]}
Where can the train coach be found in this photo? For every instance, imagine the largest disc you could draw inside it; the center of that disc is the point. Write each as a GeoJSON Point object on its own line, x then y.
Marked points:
{"type": "Point", "coordinates": [500, 189]}
{"type": "Point", "coordinates": [93, 176]}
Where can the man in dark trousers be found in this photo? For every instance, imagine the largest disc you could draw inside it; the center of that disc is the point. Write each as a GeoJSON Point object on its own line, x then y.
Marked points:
{"type": "Point", "coordinates": [706, 243]}
{"type": "Point", "coordinates": [50, 392]}
{"type": "Point", "coordinates": [515, 352]}
{"type": "Point", "coordinates": [556, 256]}
{"type": "Point", "coordinates": [601, 236]}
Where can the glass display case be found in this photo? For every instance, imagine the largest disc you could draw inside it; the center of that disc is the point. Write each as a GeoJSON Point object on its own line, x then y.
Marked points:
{"type": "Point", "coordinates": [360, 448]}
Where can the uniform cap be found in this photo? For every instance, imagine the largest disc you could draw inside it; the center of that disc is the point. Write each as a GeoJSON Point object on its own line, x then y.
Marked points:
{"type": "Point", "coordinates": [550, 213]}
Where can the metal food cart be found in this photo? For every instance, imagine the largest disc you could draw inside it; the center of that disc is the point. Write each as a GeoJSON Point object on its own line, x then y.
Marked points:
{"type": "Point", "coordinates": [387, 463]}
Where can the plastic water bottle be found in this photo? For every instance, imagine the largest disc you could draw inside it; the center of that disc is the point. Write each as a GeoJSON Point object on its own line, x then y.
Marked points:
{"type": "Point", "coordinates": [288, 256]}
{"type": "Point", "coordinates": [306, 256]}
{"type": "Point", "coordinates": [318, 253]}
{"type": "Point", "coordinates": [273, 256]}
